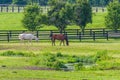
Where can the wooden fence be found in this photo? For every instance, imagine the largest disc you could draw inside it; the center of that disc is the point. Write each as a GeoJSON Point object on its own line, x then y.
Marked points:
{"type": "Point", "coordinates": [44, 9]}
{"type": "Point", "coordinates": [20, 8]}
{"type": "Point", "coordinates": [43, 35]}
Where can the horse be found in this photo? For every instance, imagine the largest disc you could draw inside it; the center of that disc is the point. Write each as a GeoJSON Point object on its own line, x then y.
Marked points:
{"type": "Point", "coordinates": [29, 37]}
{"type": "Point", "coordinates": [60, 37]}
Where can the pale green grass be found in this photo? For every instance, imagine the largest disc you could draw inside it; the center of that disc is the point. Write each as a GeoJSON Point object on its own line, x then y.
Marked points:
{"type": "Point", "coordinates": [15, 70]}
{"type": "Point", "coordinates": [98, 20]}
{"type": "Point", "coordinates": [58, 75]}
{"type": "Point", "coordinates": [75, 48]}
{"type": "Point", "coordinates": [12, 21]}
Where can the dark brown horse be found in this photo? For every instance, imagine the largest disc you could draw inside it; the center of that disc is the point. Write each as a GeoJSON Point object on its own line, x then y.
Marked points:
{"type": "Point", "coordinates": [60, 37]}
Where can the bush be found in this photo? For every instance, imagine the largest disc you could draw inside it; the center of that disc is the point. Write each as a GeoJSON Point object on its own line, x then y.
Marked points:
{"type": "Point", "coordinates": [12, 53]}
{"type": "Point", "coordinates": [57, 65]}
{"type": "Point", "coordinates": [101, 56]}
{"type": "Point", "coordinates": [78, 66]}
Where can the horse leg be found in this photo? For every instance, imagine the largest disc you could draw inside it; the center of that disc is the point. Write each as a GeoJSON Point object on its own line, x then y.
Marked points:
{"type": "Point", "coordinates": [53, 42]}
{"type": "Point", "coordinates": [63, 43]}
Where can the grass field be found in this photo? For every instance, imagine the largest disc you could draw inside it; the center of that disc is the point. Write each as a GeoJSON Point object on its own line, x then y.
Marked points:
{"type": "Point", "coordinates": [25, 66]}
{"type": "Point", "coordinates": [19, 68]}
{"type": "Point", "coordinates": [12, 21]}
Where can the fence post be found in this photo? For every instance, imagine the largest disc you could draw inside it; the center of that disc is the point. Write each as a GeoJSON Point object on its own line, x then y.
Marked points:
{"type": "Point", "coordinates": [18, 9]}
{"type": "Point", "coordinates": [103, 32]}
{"type": "Point", "coordinates": [8, 37]}
{"type": "Point", "coordinates": [107, 35]}
{"type": "Point", "coordinates": [90, 32]}
{"type": "Point", "coordinates": [37, 33]}
{"type": "Point", "coordinates": [12, 8]}
{"type": "Point", "coordinates": [94, 36]}
{"type": "Point", "coordinates": [10, 33]}
{"type": "Point", "coordinates": [80, 36]}
{"type": "Point", "coordinates": [51, 33]}
{"type": "Point", "coordinates": [1, 9]}
{"type": "Point", "coordinates": [7, 9]}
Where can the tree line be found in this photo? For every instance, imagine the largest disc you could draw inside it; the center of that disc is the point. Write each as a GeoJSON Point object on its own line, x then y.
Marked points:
{"type": "Point", "coordinates": [100, 3]}
{"type": "Point", "coordinates": [63, 14]}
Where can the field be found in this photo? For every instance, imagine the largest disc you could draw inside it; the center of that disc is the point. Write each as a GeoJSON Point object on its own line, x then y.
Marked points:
{"type": "Point", "coordinates": [15, 67]}
{"type": "Point", "coordinates": [12, 21]}
{"type": "Point", "coordinates": [90, 60]}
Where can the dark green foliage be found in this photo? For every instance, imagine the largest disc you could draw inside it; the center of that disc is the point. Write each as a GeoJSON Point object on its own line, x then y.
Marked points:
{"type": "Point", "coordinates": [32, 17]}
{"type": "Point", "coordinates": [103, 55]}
{"type": "Point", "coordinates": [59, 61]}
{"type": "Point", "coordinates": [20, 2]}
{"type": "Point", "coordinates": [60, 14]}
{"type": "Point", "coordinates": [12, 53]}
{"type": "Point", "coordinates": [82, 14]}
{"type": "Point", "coordinates": [59, 54]}
{"type": "Point", "coordinates": [112, 20]}
{"type": "Point", "coordinates": [78, 66]}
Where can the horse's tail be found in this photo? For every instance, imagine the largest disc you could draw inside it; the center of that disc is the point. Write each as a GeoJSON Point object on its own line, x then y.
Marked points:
{"type": "Point", "coordinates": [67, 42]}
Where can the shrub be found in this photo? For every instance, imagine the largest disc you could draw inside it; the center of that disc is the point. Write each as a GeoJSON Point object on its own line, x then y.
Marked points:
{"type": "Point", "coordinates": [12, 53]}
{"type": "Point", "coordinates": [8, 53]}
{"type": "Point", "coordinates": [78, 66]}
{"type": "Point", "coordinates": [101, 56]}
{"type": "Point", "coordinates": [57, 65]}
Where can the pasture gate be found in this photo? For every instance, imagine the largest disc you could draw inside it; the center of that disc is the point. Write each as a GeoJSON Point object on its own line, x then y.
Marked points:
{"type": "Point", "coordinates": [44, 35]}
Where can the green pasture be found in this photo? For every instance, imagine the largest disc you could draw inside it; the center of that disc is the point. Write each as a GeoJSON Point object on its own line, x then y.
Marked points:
{"type": "Point", "coordinates": [22, 68]}
{"type": "Point", "coordinates": [19, 61]}
{"type": "Point", "coordinates": [12, 21]}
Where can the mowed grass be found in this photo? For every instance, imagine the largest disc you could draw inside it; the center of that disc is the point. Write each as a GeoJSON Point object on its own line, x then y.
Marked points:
{"type": "Point", "coordinates": [75, 48]}
{"type": "Point", "coordinates": [12, 21]}
{"type": "Point", "coordinates": [58, 75]}
{"type": "Point", "coordinates": [14, 67]}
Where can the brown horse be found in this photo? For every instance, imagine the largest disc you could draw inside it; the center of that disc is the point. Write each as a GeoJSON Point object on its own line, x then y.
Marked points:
{"type": "Point", "coordinates": [60, 37]}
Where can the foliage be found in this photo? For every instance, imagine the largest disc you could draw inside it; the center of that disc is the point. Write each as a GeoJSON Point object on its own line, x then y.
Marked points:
{"type": "Point", "coordinates": [20, 2]}
{"type": "Point", "coordinates": [12, 53]}
{"type": "Point", "coordinates": [112, 19]}
{"type": "Point", "coordinates": [82, 13]}
{"type": "Point", "coordinates": [60, 14]}
{"type": "Point", "coordinates": [102, 55]}
{"type": "Point", "coordinates": [78, 66]}
{"type": "Point", "coordinates": [32, 17]}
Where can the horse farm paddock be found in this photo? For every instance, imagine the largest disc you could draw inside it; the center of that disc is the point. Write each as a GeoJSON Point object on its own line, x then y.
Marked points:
{"type": "Point", "coordinates": [19, 68]}
{"type": "Point", "coordinates": [75, 48]}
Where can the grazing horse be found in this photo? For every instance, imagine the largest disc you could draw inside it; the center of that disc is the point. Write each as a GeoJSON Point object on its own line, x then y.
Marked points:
{"type": "Point", "coordinates": [61, 37]}
{"type": "Point", "coordinates": [28, 37]}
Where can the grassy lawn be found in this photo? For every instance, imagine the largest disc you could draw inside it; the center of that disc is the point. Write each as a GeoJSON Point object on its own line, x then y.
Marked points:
{"type": "Point", "coordinates": [12, 21]}
{"type": "Point", "coordinates": [22, 68]}
{"type": "Point", "coordinates": [14, 67]}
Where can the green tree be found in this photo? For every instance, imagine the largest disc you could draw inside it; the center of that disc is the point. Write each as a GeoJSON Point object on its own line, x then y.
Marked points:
{"type": "Point", "coordinates": [82, 14]}
{"type": "Point", "coordinates": [112, 20]}
{"type": "Point", "coordinates": [60, 14]}
{"type": "Point", "coordinates": [32, 17]}
{"type": "Point", "coordinates": [20, 2]}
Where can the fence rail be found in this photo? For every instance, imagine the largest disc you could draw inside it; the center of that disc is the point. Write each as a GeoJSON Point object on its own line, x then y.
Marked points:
{"type": "Point", "coordinates": [75, 34]}
{"type": "Point", "coordinates": [44, 9]}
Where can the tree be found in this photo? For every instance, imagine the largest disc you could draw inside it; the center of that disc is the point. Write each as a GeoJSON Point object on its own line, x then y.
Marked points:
{"type": "Point", "coordinates": [32, 17]}
{"type": "Point", "coordinates": [60, 14]}
{"type": "Point", "coordinates": [5, 1]}
{"type": "Point", "coordinates": [20, 2]}
{"type": "Point", "coordinates": [112, 20]}
{"type": "Point", "coordinates": [82, 14]}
